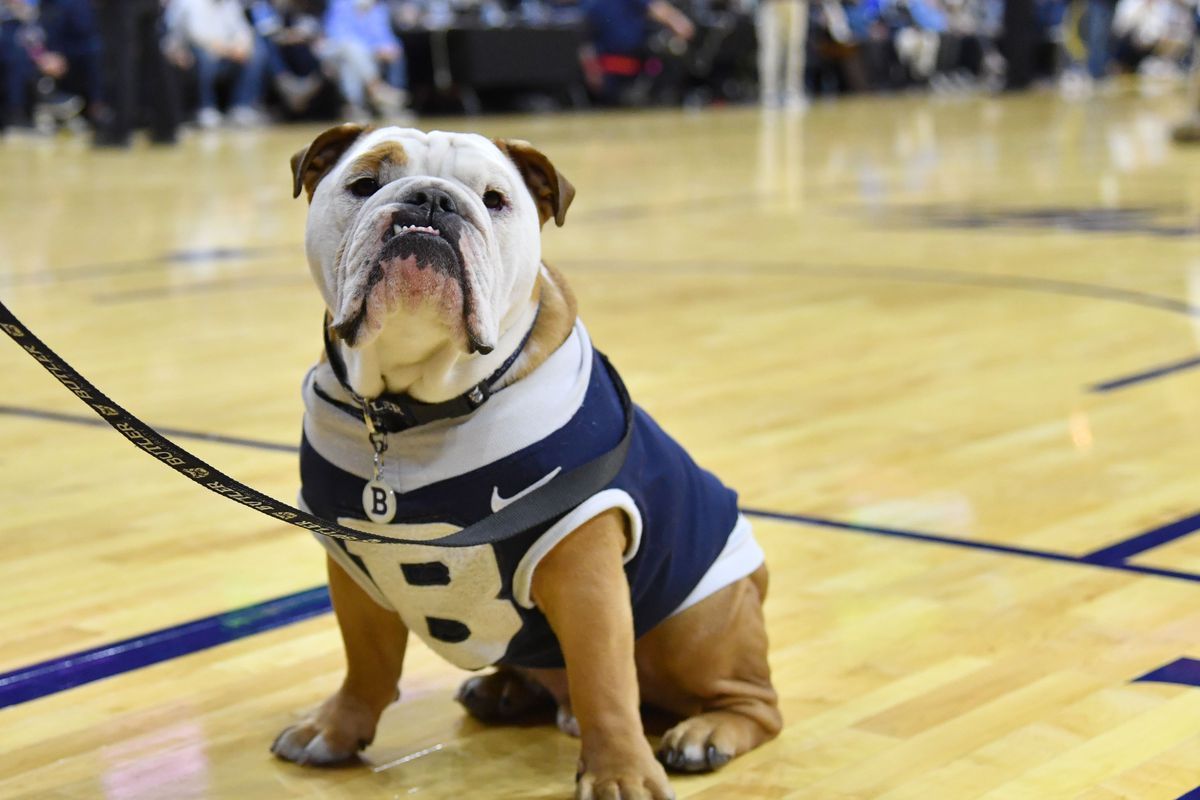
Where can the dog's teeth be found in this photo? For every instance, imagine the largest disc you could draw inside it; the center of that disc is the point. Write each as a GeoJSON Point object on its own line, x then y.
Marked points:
{"type": "Point", "coordinates": [396, 229]}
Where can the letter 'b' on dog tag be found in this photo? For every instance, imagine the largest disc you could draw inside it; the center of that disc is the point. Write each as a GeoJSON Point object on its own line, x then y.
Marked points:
{"type": "Point", "coordinates": [379, 501]}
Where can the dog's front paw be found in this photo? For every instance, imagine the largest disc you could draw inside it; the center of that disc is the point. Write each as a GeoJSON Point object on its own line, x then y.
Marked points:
{"type": "Point", "coordinates": [633, 779]}
{"type": "Point", "coordinates": [334, 734]}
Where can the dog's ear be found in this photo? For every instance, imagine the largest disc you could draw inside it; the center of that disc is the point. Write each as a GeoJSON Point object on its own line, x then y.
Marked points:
{"type": "Point", "coordinates": [551, 191]}
{"type": "Point", "coordinates": [312, 163]}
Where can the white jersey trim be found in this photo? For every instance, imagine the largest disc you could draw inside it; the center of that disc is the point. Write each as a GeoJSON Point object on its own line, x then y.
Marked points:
{"type": "Point", "coordinates": [740, 557]}
{"type": "Point", "coordinates": [594, 506]}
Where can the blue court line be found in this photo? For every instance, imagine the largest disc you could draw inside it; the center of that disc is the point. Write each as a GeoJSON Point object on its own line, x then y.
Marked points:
{"type": "Point", "coordinates": [96, 422]}
{"type": "Point", "coordinates": [76, 669]}
{"type": "Point", "coordinates": [1124, 550]}
{"type": "Point", "coordinates": [1184, 671]}
{"type": "Point", "coordinates": [1145, 376]}
{"type": "Point", "coordinates": [1003, 549]}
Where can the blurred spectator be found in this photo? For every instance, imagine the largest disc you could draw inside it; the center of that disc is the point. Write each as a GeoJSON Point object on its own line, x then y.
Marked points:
{"type": "Point", "coordinates": [133, 63]}
{"type": "Point", "coordinates": [1019, 43]}
{"type": "Point", "coordinates": [782, 41]}
{"type": "Point", "coordinates": [919, 28]}
{"type": "Point", "coordinates": [73, 54]}
{"type": "Point", "coordinates": [288, 33]}
{"type": "Point", "coordinates": [216, 37]}
{"type": "Point", "coordinates": [1098, 37]}
{"type": "Point", "coordinates": [17, 17]}
{"type": "Point", "coordinates": [620, 32]}
{"type": "Point", "coordinates": [367, 57]}
{"type": "Point", "coordinates": [1152, 36]}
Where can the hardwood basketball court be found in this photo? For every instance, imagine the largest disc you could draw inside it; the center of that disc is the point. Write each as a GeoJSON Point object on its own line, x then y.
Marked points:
{"type": "Point", "coordinates": [945, 350]}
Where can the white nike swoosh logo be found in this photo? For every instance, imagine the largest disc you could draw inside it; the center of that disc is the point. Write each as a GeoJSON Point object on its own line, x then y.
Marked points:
{"type": "Point", "coordinates": [499, 502]}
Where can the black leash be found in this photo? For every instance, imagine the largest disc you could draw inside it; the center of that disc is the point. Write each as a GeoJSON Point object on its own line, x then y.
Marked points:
{"type": "Point", "coordinates": [553, 500]}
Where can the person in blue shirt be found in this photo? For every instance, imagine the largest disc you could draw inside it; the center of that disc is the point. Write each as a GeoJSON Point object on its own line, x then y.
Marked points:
{"type": "Point", "coordinates": [620, 31]}
{"type": "Point", "coordinates": [367, 56]}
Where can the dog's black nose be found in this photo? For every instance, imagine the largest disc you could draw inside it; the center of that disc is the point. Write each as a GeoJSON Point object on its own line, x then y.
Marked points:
{"type": "Point", "coordinates": [432, 200]}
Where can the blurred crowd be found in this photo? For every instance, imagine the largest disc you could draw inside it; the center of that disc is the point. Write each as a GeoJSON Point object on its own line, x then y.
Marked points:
{"type": "Point", "coordinates": [116, 65]}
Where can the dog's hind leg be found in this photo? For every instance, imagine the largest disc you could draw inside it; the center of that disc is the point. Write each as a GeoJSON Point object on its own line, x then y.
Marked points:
{"type": "Point", "coordinates": [375, 641]}
{"type": "Point", "coordinates": [505, 695]}
{"type": "Point", "coordinates": [709, 664]}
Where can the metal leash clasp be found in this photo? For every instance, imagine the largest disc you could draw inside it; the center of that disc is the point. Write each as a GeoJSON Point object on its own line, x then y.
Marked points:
{"type": "Point", "coordinates": [379, 499]}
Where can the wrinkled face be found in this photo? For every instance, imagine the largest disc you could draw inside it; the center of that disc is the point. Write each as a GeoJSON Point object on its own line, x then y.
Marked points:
{"type": "Point", "coordinates": [431, 231]}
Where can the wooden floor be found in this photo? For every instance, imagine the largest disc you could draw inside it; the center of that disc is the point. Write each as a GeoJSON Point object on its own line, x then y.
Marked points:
{"type": "Point", "coordinates": [925, 335]}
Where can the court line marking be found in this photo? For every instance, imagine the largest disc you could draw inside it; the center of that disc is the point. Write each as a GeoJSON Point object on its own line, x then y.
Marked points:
{"type": "Point", "coordinates": [1027, 283]}
{"type": "Point", "coordinates": [66, 672]}
{"type": "Point", "coordinates": [110, 269]}
{"type": "Point", "coordinates": [1122, 551]}
{"type": "Point", "coordinates": [1183, 671]}
{"type": "Point", "coordinates": [971, 544]}
{"type": "Point", "coordinates": [910, 274]}
{"type": "Point", "coordinates": [1145, 376]}
{"type": "Point", "coordinates": [1113, 555]}
{"type": "Point", "coordinates": [95, 422]}
{"type": "Point", "coordinates": [202, 287]}
{"type": "Point", "coordinates": [1121, 221]}
{"type": "Point", "coordinates": [76, 669]}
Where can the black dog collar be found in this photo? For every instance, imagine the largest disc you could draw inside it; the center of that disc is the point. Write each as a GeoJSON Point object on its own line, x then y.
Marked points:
{"type": "Point", "coordinates": [393, 413]}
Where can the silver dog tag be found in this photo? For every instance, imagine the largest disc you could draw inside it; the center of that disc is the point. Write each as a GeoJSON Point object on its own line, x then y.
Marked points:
{"type": "Point", "coordinates": [379, 501]}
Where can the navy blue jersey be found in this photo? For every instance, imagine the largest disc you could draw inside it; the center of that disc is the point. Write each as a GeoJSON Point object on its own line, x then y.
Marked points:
{"type": "Point", "coordinates": [473, 605]}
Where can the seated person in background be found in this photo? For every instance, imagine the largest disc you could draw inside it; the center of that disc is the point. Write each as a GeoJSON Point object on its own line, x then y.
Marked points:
{"type": "Point", "coordinates": [1152, 36]}
{"type": "Point", "coordinates": [872, 38]}
{"type": "Point", "coordinates": [288, 31]}
{"type": "Point", "coordinates": [17, 18]}
{"type": "Point", "coordinates": [40, 48]}
{"type": "Point", "coordinates": [620, 31]}
{"type": "Point", "coordinates": [366, 56]}
{"type": "Point", "coordinates": [216, 36]}
{"type": "Point", "coordinates": [920, 25]}
{"type": "Point", "coordinates": [73, 54]}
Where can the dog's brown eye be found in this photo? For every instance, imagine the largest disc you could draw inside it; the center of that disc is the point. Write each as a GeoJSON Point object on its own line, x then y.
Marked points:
{"type": "Point", "coordinates": [364, 187]}
{"type": "Point", "coordinates": [493, 199]}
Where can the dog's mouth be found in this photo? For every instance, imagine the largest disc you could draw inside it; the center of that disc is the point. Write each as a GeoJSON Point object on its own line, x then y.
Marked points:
{"type": "Point", "coordinates": [406, 230]}
{"type": "Point", "coordinates": [418, 259]}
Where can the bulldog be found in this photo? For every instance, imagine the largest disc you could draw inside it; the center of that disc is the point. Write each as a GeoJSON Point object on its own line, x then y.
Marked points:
{"type": "Point", "coordinates": [456, 380]}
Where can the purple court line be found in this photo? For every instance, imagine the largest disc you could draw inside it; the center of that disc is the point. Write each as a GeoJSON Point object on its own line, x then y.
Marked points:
{"type": "Point", "coordinates": [1184, 671]}
{"type": "Point", "coordinates": [1145, 376]}
{"type": "Point", "coordinates": [66, 672]}
{"type": "Point", "coordinates": [1126, 549]}
{"type": "Point", "coordinates": [1003, 549]}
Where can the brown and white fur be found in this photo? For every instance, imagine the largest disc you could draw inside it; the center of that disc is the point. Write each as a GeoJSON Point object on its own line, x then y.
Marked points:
{"type": "Point", "coordinates": [707, 664]}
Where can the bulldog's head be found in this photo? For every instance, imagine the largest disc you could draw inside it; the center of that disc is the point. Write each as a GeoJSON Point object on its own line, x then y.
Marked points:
{"type": "Point", "coordinates": [435, 236]}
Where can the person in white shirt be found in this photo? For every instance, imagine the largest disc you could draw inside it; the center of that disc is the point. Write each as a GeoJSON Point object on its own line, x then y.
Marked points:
{"type": "Point", "coordinates": [217, 37]}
